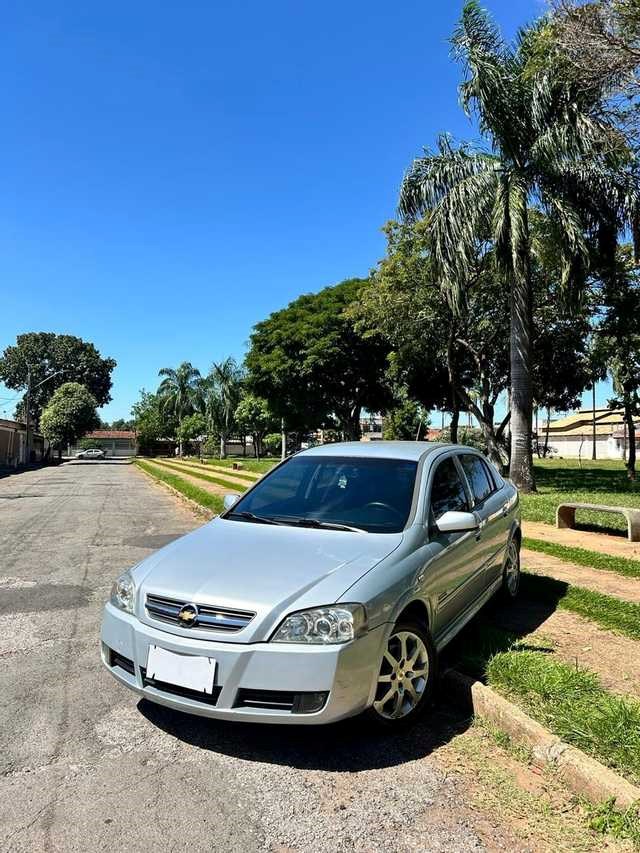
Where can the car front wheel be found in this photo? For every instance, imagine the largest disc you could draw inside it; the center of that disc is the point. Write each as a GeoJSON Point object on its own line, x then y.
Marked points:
{"type": "Point", "coordinates": [406, 677]}
{"type": "Point", "coordinates": [511, 572]}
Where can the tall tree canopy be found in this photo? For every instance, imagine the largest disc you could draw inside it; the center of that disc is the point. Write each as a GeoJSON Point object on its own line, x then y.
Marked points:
{"type": "Point", "coordinates": [178, 391]}
{"type": "Point", "coordinates": [313, 367]}
{"type": "Point", "coordinates": [69, 414]}
{"type": "Point", "coordinates": [63, 358]}
{"type": "Point", "coordinates": [546, 145]}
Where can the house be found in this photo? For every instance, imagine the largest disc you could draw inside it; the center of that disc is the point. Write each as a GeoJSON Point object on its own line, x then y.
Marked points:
{"type": "Point", "coordinates": [13, 444]}
{"type": "Point", "coordinates": [572, 436]}
{"type": "Point", "coordinates": [114, 442]}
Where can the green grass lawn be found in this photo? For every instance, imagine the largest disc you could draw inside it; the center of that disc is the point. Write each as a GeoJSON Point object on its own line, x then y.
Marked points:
{"type": "Point", "coordinates": [613, 614]}
{"type": "Point", "coordinates": [571, 702]}
{"type": "Point", "coordinates": [258, 466]}
{"type": "Point", "coordinates": [199, 496]}
{"type": "Point", "coordinates": [583, 557]}
{"type": "Point", "coordinates": [562, 480]}
{"type": "Point", "coordinates": [200, 475]}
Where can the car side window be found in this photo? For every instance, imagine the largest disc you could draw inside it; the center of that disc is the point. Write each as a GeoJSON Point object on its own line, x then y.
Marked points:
{"type": "Point", "coordinates": [478, 477]}
{"type": "Point", "coordinates": [447, 491]}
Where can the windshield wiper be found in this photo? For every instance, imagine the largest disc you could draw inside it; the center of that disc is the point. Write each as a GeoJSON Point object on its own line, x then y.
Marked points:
{"type": "Point", "coordinates": [250, 516]}
{"type": "Point", "coordinates": [316, 523]}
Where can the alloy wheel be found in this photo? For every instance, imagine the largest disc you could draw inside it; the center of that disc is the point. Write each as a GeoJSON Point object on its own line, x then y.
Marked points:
{"type": "Point", "coordinates": [403, 677]}
{"type": "Point", "coordinates": [512, 569]}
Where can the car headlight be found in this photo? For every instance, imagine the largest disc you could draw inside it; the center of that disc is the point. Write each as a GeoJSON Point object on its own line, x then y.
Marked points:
{"type": "Point", "coordinates": [123, 592]}
{"type": "Point", "coordinates": [336, 623]}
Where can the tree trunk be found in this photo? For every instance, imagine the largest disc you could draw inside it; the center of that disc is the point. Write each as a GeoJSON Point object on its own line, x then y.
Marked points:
{"type": "Point", "coordinates": [223, 446]}
{"type": "Point", "coordinates": [631, 431]}
{"type": "Point", "coordinates": [453, 425]}
{"type": "Point", "coordinates": [521, 466]}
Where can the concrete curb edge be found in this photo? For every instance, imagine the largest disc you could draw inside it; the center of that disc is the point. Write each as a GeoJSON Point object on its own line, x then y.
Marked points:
{"type": "Point", "coordinates": [194, 505]}
{"type": "Point", "coordinates": [584, 775]}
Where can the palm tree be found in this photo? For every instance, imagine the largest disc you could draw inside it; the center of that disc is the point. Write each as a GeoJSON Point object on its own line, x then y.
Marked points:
{"type": "Point", "coordinates": [547, 148]}
{"type": "Point", "coordinates": [226, 378]}
{"type": "Point", "coordinates": [178, 391]}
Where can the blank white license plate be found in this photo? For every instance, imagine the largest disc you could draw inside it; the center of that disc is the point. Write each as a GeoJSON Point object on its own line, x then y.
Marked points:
{"type": "Point", "coordinates": [194, 673]}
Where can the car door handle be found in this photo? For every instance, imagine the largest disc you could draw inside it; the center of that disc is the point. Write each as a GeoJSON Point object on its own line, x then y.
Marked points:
{"type": "Point", "coordinates": [505, 510]}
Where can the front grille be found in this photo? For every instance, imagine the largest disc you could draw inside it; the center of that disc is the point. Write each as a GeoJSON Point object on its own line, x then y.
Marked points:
{"type": "Point", "coordinates": [209, 617]}
{"type": "Point", "coordinates": [119, 660]}
{"type": "Point", "coordinates": [185, 692]}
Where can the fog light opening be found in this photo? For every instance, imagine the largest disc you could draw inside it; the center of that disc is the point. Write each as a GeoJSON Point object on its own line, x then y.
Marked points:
{"type": "Point", "coordinates": [309, 703]}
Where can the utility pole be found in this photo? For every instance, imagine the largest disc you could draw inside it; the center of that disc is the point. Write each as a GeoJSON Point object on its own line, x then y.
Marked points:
{"type": "Point", "coordinates": [593, 419]}
{"type": "Point", "coordinates": [27, 420]}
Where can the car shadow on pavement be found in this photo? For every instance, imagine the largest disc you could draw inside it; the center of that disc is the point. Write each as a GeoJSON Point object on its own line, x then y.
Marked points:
{"type": "Point", "coordinates": [348, 746]}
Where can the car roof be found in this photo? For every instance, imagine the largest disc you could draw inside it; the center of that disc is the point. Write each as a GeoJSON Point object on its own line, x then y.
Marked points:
{"type": "Point", "coordinates": [410, 450]}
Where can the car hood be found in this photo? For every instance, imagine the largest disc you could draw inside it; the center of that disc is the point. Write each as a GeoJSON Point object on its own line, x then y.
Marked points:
{"type": "Point", "coordinates": [271, 570]}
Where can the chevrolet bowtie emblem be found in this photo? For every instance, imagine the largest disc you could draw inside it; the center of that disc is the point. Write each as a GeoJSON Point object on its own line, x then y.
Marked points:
{"type": "Point", "coordinates": [188, 615]}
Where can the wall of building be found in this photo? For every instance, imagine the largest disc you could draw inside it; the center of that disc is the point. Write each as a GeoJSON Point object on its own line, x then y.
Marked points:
{"type": "Point", "coordinates": [581, 446]}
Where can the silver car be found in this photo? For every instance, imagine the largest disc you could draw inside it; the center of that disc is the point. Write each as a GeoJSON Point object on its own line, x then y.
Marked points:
{"type": "Point", "coordinates": [326, 590]}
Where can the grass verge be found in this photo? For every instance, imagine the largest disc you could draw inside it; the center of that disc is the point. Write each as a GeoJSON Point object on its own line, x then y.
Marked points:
{"type": "Point", "coordinates": [602, 481]}
{"type": "Point", "coordinates": [571, 703]}
{"type": "Point", "coordinates": [583, 557]}
{"type": "Point", "coordinates": [248, 476]}
{"type": "Point", "coordinates": [204, 499]}
{"type": "Point", "coordinates": [624, 826]}
{"type": "Point", "coordinates": [258, 466]}
{"type": "Point", "coordinates": [614, 614]}
{"type": "Point", "coordinates": [200, 475]}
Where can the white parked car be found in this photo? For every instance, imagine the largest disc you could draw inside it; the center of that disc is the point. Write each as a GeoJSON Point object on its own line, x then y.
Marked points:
{"type": "Point", "coordinates": [91, 453]}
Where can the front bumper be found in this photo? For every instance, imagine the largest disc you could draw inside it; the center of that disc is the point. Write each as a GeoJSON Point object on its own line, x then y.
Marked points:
{"type": "Point", "coordinates": [346, 673]}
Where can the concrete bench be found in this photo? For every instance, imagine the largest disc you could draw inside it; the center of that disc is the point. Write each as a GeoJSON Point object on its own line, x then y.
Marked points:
{"type": "Point", "coordinates": [566, 516]}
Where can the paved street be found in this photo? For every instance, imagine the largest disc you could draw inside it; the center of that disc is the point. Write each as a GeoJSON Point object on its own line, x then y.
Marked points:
{"type": "Point", "coordinates": [85, 766]}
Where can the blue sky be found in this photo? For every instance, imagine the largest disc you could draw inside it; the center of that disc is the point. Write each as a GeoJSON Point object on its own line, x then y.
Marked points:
{"type": "Point", "coordinates": [172, 173]}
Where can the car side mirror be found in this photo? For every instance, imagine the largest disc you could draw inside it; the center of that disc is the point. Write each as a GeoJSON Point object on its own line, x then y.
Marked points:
{"type": "Point", "coordinates": [457, 522]}
{"type": "Point", "coordinates": [230, 500]}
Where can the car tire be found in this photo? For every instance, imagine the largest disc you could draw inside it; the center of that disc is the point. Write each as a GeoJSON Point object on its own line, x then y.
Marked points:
{"type": "Point", "coordinates": [511, 572]}
{"type": "Point", "coordinates": [396, 705]}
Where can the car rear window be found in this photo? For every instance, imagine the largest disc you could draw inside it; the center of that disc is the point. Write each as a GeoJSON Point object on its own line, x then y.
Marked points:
{"type": "Point", "coordinates": [478, 477]}
{"type": "Point", "coordinates": [447, 491]}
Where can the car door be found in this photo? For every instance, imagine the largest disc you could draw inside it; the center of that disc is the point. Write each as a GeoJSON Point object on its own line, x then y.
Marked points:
{"type": "Point", "coordinates": [454, 570]}
{"type": "Point", "coordinates": [488, 504]}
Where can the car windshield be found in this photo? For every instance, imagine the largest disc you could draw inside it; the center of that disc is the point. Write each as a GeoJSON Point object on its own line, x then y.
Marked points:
{"type": "Point", "coordinates": [370, 494]}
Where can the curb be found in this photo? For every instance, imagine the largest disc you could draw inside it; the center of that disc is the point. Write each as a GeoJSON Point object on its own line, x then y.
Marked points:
{"type": "Point", "coordinates": [199, 510]}
{"type": "Point", "coordinates": [582, 774]}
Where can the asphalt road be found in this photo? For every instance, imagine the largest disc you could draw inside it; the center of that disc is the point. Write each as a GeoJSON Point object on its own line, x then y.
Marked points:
{"type": "Point", "coordinates": [85, 766]}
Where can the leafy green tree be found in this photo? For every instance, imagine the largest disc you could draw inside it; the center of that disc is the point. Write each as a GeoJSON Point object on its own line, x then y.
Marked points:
{"type": "Point", "coordinates": [120, 424]}
{"type": "Point", "coordinates": [152, 422]}
{"type": "Point", "coordinates": [191, 427]}
{"type": "Point", "coordinates": [54, 360]}
{"type": "Point", "coordinates": [313, 367]}
{"type": "Point", "coordinates": [408, 421]}
{"type": "Point", "coordinates": [617, 344]}
{"type": "Point", "coordinates": [225, 390]}
{"type": "Point", "coordinates": [253, 415]}
{"type": "Point", "coordinates": [178, 392]}
{"type": "Point", "coordinates": [548, 147]}
{"type": "Point", "coordinates": [69, 414]}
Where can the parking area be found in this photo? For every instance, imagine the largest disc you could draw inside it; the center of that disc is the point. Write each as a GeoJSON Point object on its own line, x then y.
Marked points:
{"type": "Point", "coordinates": [85, 766]}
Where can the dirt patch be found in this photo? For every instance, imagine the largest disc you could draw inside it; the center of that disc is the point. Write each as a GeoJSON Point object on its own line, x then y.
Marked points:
{"type": "Point", "coordinates": [615, 546]}
{"type": "Point", "coordinates": [195, 481]}
{"type": "Point", "coordinates": [531, 804]}
{"type": "Point", "coordinates": [578, 642]}
{"type": "Point", "coordinates": [221, 473]}
{"type": "Point", "coordinates": [608, 583]}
